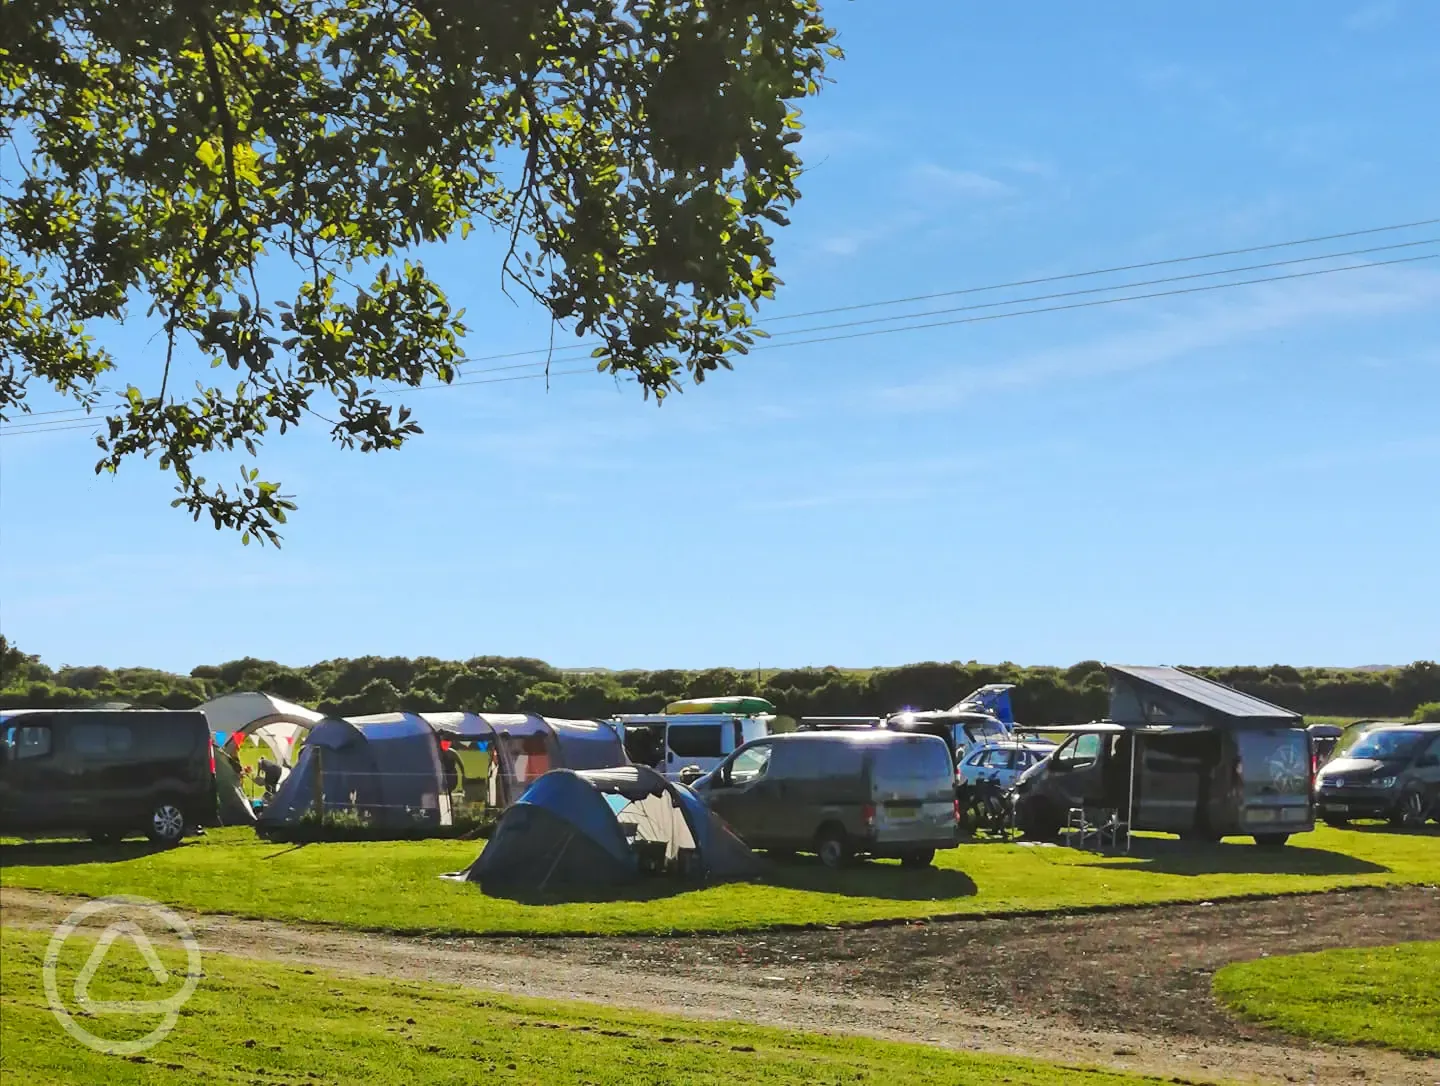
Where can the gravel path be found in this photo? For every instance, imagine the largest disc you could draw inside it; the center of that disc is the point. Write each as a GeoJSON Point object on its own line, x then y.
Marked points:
{"type": "Point", "coordinates": [1128, 990]}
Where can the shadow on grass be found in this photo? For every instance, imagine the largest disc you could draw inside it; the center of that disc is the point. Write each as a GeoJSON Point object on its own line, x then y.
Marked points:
{"type": "Point", "coordinates": [886, 881]}
{"type": "Point", "coordinates": [69, 853]}
{"type": "Point", "coordinates": [1387, 830]}
{"type": "Point", "coordinates": [1238, 858]}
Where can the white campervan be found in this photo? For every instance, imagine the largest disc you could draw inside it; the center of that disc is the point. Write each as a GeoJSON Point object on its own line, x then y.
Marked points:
{"type": "Point", "coordinates": [674, 742]}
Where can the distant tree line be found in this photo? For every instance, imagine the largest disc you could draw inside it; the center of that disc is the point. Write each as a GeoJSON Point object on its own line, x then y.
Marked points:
{"type": "Point", "coordinates": [376, 684]}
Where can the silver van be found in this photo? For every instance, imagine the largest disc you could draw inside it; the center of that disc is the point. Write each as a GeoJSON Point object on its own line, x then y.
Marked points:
{"type": "Point", "coordinates": [840, 794]}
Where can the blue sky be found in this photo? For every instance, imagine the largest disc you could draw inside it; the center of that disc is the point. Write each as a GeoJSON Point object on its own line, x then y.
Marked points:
{"type": "Point", "coordinates": [1241, 476]}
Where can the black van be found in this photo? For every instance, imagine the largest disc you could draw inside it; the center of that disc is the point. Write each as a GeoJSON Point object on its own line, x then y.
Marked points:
{"type": "Point", "coordinates": [108, 773]}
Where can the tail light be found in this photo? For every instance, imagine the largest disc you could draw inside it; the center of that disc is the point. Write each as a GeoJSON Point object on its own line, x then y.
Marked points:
{"type": "Point", "coordinates": [212, 756]}
{"type": "Point", "coordinates": [957, 809]}
{"type": "Point", "coordinates": [867, 814]}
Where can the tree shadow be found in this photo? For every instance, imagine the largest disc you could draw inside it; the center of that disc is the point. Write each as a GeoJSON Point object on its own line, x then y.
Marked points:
{"type": "Point", "coordinates": [70, 853]}
{"type": "Point", "coordinates": [870, 879]}
{"type": "Point", "coordinates": [1171, 857]}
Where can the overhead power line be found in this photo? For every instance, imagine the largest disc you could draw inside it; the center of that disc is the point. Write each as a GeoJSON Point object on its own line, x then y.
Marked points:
{"type": "Point", "coordinates": [78, 421]}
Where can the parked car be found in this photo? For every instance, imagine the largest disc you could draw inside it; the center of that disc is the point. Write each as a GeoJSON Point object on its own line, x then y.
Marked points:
{"type": "Point", "coordinates": [107, 773]}
{"type": "Point", "coordinates": [839, 794]}
{"type": "Point", "coordinates": [1390, 772]}
{"type": "Point", "coordinates": [1001, 761]}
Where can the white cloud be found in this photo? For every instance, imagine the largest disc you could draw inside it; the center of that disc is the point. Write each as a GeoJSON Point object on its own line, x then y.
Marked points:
{"type": "Point", "coordinates": [1260, 310]}
{"type": "Point", "coordinates": [1373, 16]}
{"type": "Point", "coordinates": [935, 181]}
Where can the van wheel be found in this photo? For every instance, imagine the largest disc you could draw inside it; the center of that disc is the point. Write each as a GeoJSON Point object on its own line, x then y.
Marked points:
{"type": "Point", "coordinates": [833, 848]}
{"type": "Point", "coordinates": [1410, 812]}
{"type": "Point", "coordinates": [167, 824]}
{"type": "Point", "coordinates": [921, 857]}
{"type": "Point", "coordinates": [1271, 840]}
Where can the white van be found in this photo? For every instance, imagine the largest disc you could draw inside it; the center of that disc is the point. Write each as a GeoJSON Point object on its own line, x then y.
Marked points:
{"type": "Point", "coordinates": [672, 743]}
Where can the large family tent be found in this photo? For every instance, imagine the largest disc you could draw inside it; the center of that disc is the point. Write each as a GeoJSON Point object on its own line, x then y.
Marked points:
{"type": "Point", "coordinates": [522, 747]}
{"type": "Point", "coordinates": [389, 773]}
{"type": "Point", "coordinates": [273, 722]}
{"type": "Point", "coordinates": [606, 827]}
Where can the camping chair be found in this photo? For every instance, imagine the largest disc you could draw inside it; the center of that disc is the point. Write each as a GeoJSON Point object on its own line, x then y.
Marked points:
{"type": "Point", "coordinates": [1093, 825]}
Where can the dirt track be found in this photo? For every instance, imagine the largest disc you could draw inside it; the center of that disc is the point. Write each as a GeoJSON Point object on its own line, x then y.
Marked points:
{"type": "Point", "coordinates": [1126, 990]}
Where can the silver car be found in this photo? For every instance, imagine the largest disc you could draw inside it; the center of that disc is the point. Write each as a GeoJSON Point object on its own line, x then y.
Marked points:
{"type": "Point", "coordinates": [1001, 761]}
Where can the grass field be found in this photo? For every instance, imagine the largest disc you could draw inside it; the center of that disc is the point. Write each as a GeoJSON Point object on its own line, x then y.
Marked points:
{"type": "Point", "coordinates": [240, 1026]}
{"type": "Point", "coordinates": [1389, 996]}
{"type": "Point", "coordinates": [394, 886]}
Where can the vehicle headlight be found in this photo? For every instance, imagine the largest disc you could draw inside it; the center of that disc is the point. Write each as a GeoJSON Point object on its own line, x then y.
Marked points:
{"type": "Point", "coordinates": [1384, 782]}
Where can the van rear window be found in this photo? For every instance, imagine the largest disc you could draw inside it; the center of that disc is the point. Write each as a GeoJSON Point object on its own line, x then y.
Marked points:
{"type": "Point", "coordinates": [913, 761]}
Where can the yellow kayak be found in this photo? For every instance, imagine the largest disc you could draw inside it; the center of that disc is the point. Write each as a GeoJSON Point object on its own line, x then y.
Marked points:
{"type": "Point", "coordinates": [735, 706]}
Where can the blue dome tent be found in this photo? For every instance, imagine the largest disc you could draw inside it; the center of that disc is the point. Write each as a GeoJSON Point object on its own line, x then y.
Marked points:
{"type": "Point", "coordinates": [606, 827]}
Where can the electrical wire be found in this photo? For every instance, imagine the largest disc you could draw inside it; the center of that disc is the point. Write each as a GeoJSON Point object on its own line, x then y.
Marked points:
{"type": "Point", "coordinates": [61, 424]}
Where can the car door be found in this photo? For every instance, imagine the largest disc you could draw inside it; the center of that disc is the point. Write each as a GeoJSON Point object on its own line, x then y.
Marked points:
{"type": "Point", "coordinates": [35, 793]}
{"type": "Point", "coordinates": [1075, 769]}
{"type": "Point", "coordinates": [111, 786]}
{"type": "Point", "coordinates": [1427, 771]}
{"type": "Point", "coordinates": [737, 794]}
{"type": "Point", "coordinates": [973, 765]}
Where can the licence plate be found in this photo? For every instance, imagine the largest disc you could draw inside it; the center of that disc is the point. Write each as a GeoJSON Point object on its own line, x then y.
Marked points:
{"type": "Point", "coordinates": [1338, 808]}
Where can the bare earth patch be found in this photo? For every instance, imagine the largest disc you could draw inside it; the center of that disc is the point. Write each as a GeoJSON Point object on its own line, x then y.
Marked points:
{"type": "Point", "coordinates": [1128, 989]}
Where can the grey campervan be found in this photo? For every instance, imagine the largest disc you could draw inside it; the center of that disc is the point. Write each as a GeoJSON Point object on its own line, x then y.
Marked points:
{"type": "Point", "coordinates": [1199, 759]}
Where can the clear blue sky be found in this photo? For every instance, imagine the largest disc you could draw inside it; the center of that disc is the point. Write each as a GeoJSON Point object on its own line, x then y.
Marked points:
{"type": "Point", "coordinates": [1243, 476]}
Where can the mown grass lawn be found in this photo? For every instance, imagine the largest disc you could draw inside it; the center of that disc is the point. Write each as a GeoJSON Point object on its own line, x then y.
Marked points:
{"type": "Point", "coordinates": [395, 886]}
{"type": "Point", "coordinates": [249, 1022]}
{"type": "Point", "coordinates": [1388, 996]}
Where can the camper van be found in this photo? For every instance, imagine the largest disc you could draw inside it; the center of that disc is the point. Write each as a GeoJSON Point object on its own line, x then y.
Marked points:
{"type": "Point", "coordinates": [107, 773]}
{"type": "Point", "coordinates": [1200, 784]}
{"type": "Point", "coordinates": [674, 743]}
{"type": "Point", "coordinates": [1179, 754]}
{"type": "Point", "coordinates": [839, 794]}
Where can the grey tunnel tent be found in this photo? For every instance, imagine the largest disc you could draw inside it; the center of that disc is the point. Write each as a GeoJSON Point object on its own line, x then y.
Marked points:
{"type": "Point", "coordinates": [603, 828]}
{"type": "Point", "coordinates": [388, 773]}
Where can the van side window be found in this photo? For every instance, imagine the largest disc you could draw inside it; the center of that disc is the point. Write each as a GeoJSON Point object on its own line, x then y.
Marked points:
{"type": "Point", "coordinates": [29, 741]}
{"type": "Point", "coordinates": [750, 765]}
{"type": "Point", "coordinates": [696, 740]}
{"type": "Point", "coordinates": [101, 740]}
{"type": "Point", "coordinates": [1082, 752]}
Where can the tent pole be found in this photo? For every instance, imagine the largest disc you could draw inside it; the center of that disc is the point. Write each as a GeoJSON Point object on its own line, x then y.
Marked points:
{"type": "Point", "coordinates": [1130, 809]}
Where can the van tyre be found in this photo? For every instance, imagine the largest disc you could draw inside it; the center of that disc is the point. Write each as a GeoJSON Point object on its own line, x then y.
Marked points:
{"type": "Point", "coordinates": [920, 857]}
{"type": "Point", "coordinates": [1410, 812]}
{"type": "Point", "coordinates": [833, 847]}
{"type": "Point", "coordinates": [1271, 840]}
{"type": "Point", "coordinates": [167, 824]}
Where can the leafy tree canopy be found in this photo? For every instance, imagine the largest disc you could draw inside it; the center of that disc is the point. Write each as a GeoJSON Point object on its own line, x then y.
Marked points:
{"type": "Point", "coordinates": [198, 157]}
